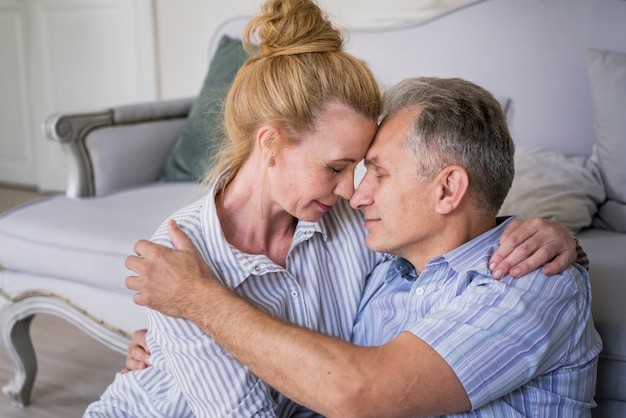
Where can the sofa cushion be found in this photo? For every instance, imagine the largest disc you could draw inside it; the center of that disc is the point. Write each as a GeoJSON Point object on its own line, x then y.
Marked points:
{"type": "Point", "coordinates": [607, 72]}
{"type": "Point", "coordinates": [86, 240]}
{"type": "Point", "coordinates": [609, 311]}
{"type": "Point", "coordinates": [193, 154]}
{"type": "Point", "coordinates": [549, 185]}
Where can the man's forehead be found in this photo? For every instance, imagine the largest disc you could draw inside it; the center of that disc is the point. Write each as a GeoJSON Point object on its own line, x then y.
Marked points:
{"type": "Point", "coordinates": [390, 138]}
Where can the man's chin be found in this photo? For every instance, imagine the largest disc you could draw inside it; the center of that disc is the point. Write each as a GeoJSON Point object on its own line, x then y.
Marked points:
{"type": "Point", "coordinates": [373, 244]}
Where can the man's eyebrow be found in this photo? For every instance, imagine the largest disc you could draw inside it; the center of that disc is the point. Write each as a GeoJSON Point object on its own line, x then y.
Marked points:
{"type": "Point", "coordinates": [371, 162]}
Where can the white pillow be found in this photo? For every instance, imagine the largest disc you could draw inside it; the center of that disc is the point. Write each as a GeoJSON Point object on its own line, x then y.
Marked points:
{"type": "Point", "coordinates": [549, 185]}
{"type": "Point", "coordinates": [607, 76]}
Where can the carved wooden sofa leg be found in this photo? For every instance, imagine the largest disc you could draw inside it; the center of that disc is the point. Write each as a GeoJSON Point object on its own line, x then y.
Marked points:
{"type": "Point", "coordinates": [16, 315]}
{"type": "Point", "coordinates": [19, 347]}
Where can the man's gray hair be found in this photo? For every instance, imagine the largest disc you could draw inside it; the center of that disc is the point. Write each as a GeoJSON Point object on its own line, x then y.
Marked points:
{"type": "Point", "coordinates": [459, 123]}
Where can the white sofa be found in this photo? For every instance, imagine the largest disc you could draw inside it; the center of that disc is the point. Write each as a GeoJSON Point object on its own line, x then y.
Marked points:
{"type": "Point", "coordinates": [64, 254]}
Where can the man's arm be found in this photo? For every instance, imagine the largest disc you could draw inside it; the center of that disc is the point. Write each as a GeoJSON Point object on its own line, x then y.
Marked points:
{"type": "Point", "coordinates": [520, 241]}
{"type": "Point", "coordinates": [179, 284]}
{"type": "Point", "coordinates": [405, 377]}
{"type": "Point", "coordinates": [331, 376]}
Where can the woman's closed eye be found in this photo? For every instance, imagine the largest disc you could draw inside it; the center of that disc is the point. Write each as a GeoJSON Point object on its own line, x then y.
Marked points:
{"type": "Point", "coordinates": [336, 169]}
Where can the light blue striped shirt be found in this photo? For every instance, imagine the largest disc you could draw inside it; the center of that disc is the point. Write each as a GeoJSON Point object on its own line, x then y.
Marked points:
{"type": "Point", "coordinates": [191, 375]}
{"type": "Point", "coordinates": [521, 348]}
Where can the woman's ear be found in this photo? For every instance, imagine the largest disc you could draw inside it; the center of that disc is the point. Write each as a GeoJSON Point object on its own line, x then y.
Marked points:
{"type": "Point", "coordinates": [267, 142]}
{"type": "Point", "coordinates": [453, 183]}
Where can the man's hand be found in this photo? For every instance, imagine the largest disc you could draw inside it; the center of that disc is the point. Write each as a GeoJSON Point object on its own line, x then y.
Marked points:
{"type": "Point", "coordinates": [527, 245]}
{"type": "Point", "coordinates": [138, 354]}
{"type": "Point", "coordinates": [167, 280]}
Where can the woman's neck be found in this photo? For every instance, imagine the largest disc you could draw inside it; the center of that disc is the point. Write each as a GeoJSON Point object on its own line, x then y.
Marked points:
{"type": "Point", "coordinates": [251, 221]}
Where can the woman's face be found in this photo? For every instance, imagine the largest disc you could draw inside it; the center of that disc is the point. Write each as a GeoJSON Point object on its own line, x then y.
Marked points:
{"type": "Point", "coordinates": [309, 177]}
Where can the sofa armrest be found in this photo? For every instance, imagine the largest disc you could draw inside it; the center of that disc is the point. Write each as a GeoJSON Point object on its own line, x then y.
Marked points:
{"type": "Point", "coordinates": [117, 147]}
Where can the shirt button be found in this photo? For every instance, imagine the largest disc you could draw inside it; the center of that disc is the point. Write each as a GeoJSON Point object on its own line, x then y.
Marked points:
{"type": "Point", "coordinates": [257, 268]}
{"type": "Point", "coordinates": [294, 294]}
{"type": "Point", "coordinates": [419, 290]}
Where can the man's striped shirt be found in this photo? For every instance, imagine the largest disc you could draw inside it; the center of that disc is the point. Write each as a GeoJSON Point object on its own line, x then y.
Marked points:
{"type": "Point", "coordinates": [521, 348]}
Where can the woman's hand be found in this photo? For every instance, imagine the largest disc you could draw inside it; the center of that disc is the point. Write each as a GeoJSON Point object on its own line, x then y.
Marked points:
{"type": "Point", "coordinates": [138, 354]}
{"type": "Point", "coordinates": [527, 245]}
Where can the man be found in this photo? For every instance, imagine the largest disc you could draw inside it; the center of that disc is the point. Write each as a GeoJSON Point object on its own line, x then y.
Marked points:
{"type": "Point", "coordinates": [435, 333]}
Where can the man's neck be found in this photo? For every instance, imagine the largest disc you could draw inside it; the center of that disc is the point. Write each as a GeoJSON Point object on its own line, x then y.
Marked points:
{"type": "Point", "coordinates": [454, 232]}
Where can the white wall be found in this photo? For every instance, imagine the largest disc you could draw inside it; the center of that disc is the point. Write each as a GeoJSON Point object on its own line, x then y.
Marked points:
{"type": "Point", "coordinates": [184, 27]}
{"type": "Point", "coordinates": [65, 56]}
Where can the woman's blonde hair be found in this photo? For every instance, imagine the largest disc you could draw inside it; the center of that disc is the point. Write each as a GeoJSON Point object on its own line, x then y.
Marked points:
{"type": "Point", "coordinates": [298, 67]}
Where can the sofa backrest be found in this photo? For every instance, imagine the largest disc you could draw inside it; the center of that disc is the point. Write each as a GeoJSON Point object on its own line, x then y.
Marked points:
{"type": "Point", "coordinates": [531, 51]}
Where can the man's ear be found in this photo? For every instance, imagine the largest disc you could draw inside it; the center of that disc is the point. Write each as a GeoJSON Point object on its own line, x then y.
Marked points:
{"type": "Point", "coordinates": [267, 138]}
{"type": "Point", "coordinates": [452, 186]}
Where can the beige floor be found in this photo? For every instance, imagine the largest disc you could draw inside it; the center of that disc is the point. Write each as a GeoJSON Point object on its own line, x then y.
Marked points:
{"type": "Point", "coordinates": [73, 369]}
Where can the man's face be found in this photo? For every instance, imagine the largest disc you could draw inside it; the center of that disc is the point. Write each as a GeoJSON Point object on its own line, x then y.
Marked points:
{"type": "Point", "coordinates": [398, 207]}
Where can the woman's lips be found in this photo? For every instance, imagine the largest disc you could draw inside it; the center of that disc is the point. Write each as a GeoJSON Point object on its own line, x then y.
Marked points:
{"type": "Point", "coordinates": [324, 207]}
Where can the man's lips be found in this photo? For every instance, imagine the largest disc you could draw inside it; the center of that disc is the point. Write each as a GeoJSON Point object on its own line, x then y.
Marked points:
{"type": "Point", "coordinates": [324, 207]}
{"type": "Point", "coordinates": [370, 221]}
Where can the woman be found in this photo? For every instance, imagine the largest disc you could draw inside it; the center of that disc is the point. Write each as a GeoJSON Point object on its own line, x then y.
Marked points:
{"type": "Point", "coordinates": [276, 226]}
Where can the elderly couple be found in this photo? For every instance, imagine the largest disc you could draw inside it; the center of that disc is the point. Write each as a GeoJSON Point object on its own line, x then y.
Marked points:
{"type": "Point", "coordinates": [286, 292]}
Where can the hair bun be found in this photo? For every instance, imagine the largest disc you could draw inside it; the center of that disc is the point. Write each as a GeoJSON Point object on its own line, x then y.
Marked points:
{"type": "Point", "coordinates": [290, 27]}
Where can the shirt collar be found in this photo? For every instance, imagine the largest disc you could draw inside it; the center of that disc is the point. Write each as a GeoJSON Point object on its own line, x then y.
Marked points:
{"type": "Point", "coordinates": [401, 268]}
{"type": "Point", "coordinates": [305, 230]}
{"type": "Point", "coordinates": [240, 264]}
{"type": "Point", "coordinates": [473, 255]}
{"type": "Point", "coordinates": [237, 272]}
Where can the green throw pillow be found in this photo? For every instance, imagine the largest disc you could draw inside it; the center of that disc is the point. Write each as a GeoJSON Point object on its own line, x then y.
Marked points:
{"type": "Point", "coordinates": [194, 153]}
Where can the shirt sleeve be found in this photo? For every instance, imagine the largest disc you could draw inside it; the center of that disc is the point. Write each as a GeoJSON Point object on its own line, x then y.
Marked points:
{"type": "Point", "coordinates": [581, 256]}
{"type": "Point", "coordinates": [499, 335]}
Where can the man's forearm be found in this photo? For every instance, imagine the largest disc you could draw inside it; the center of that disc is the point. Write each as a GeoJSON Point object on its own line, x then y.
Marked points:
{"type": "Point", "coordinates": [331, 376]}
{"type": "Point", "coordinates": [179, 283]}
{"type": "Point", "coordinates": [295, 361]}
{"type": "Point", "coordinates": [326, 374]}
